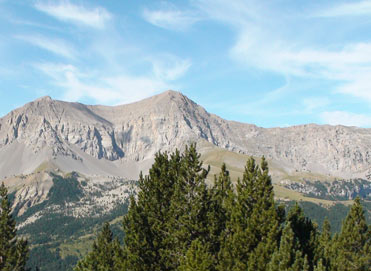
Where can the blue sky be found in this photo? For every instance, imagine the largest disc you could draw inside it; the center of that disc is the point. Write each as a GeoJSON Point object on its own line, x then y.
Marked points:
{"type": "Point", "coordinates": [271, 63]}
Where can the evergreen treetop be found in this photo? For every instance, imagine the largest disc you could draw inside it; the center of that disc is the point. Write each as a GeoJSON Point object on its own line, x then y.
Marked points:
{"type": "Point", "coordinates": [106, 254]}
{"type": "Point", "coordinates": [352, 247]}
{"type": "Point", "coordinates": [13, 251]}
{"type": "Point", "coordinates": [179, 222]}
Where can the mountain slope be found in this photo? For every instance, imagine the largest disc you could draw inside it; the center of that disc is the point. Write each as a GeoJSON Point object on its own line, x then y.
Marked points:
{"type": "Point", "coordinates": [70, 166]}
{"type": "Point", "coordinates": [122, 140]}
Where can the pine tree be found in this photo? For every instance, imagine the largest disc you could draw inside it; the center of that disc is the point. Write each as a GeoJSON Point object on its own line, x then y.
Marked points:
{"type": "Point", "coordinates": [220, 210]}
{"type": "Point", "coordinates": [13, 251]}
{"type": "Point", "coordinates": [197, 258]}
{"type": "Point", "coordinates": [353, 244]}
{"type": "Point", "coordinates": [305, 231]}
{"type": "Point", "coordinates": [252, 232]}
{"type": "Point", "coordinates": [323, 248]}
{"type": "Point", "coordinates": [235, 248]}
{"type": "Point", "coordinates": [288, 257]}
{"type": "Point", "coordinates": [105, 254]}
{"type": "Point", "coordinates": [170, 212]}
{"type": "Point", "coordinates": [190, 205]}
{"type": "Point", "coordinates": [178, 222]}
{"type": "Point", "coordinates": [265, 221]}
{"type": "Point", "coordinates": [145, 225]}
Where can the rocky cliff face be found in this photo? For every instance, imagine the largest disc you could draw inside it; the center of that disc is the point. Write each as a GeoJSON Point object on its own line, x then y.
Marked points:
{"type": "Point", "coordinates": [103, 139]}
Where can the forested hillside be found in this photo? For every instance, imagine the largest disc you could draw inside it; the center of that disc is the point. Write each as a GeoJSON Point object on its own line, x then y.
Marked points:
{"type": "Point", "coordinates": [178, 222]}
{"type": "Point", "coordinates": [177, 191]}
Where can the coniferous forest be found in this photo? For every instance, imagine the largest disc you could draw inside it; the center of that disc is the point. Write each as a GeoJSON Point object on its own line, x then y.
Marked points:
{"type": "Point", "coordinates": [179, 222]}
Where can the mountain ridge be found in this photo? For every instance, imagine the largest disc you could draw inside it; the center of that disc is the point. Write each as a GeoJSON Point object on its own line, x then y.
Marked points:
{"type": "Point", "coordinates": [78, 136]}
{"type": "Point", "coordinates": [70, 167]}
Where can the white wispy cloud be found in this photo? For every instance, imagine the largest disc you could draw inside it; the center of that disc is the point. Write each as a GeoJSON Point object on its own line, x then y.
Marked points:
{"type": "Point", "coordinates": [346, 9]}
{"type": "Point", "coordinates": [66, 11]}
{"type": "Point", "coordinates": [359, 87]}
{"type": "Point", "coordinates": [30, 23]}
{"type": "Point", "coordinates": [349, 65]}
{"type": "Point", "coordinates": [76, 84]}
{"type": "Point", "coordinates": [346, 118]}
{"type": "Point", "coordinates": [312, 103]}
{"type": "Point", "coordinates": [263, 45]}
{"type": "Point", "coordinates": [56, 46]}
{"type": "Point", "coordinates": [117, 73]}
{"type": "Point", "coordinates": [170, 67]}
{"type": "Point", "coordinates": [237, 12]}
{"type": "Point", "coordinates": [170, 18]}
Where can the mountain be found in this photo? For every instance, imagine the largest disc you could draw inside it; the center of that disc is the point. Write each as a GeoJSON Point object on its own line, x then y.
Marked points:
{"type": "Point", "coordinates": [122, 140]}
{"type": "Point", "coordinates": [71, 166]}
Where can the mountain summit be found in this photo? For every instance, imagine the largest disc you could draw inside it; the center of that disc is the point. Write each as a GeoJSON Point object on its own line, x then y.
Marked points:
{"type": "Point", "coordinates": [122, 140]}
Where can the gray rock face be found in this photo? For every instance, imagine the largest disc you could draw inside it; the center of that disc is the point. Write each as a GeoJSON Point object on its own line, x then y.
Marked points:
{"type": "Point", "coordinates": [108, 138]}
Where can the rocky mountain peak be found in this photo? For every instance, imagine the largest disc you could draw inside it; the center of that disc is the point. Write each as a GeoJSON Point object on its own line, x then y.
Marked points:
{"type": "Point", "coordinates": [44, 99]}
{"type": "Point", "coordinates": [102, 139]}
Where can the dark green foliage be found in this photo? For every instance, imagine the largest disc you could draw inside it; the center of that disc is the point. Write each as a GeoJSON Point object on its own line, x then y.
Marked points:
{"type": "Point", "coordinates": [288, 256]}
{"type": "Point", "coordinates": [106, 253]}
{"type": "Point", "coordinates": [13, 251]}
{"type": "Point", "coordinates": [352, 247]}
{"type": "Point", "coordinates": [171, 211]}
{"type": "Point", "coordinates": [43, 258]}
{"type": "Point", "coordinates": [65, 189]}
{"type": "Point", "coordinates": [320, 267]}
{"type": "Point", "coordinates": [53, 229]}
{"type": "Point", "coordinates": [253, 228]}
{"type": "Point", "coordinates": [322, 257]}
{"type": "Point", "coordinates": [178, 222]}
{"type": "Point", "coordinates": [190, 206]}
{"type": "Point", "coordinates": [197, 258]}
{"type": "Point", "coordinates": [146, 224]}
{"type": "Point", "coordinates": [220, 210]}
{"type": "Point", "coordinates": [48, 232]}
{"type": "Point", "coordinates": [305, 232]}
{"type": "Point", "coordinates": [335, 213]}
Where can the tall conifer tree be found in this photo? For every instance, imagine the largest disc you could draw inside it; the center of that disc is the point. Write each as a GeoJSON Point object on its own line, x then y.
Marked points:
{"type": "Point", "coordinates": [305, 231]}
{"type": "Point", "coordinates": [105, 255]}
{"type": "Point", "coordinates": [264, 221]}
{"type": "Point", "coordinates": [170, 212]}
{"type": "Point", "coordinates": [353, 245]}
{"type": "Point", "coordinates": [288, 257]}
{"type": "Point", "coordinates": [220, 210]}
{"type": "Point", "coordinates": [190, 205]}
{"type": "Point", "coordinates": [252, 232]}
{"type": "Point", "coordinates": [13, 251]}
{"type": "Point", "coordinates": [145, 225]}
{"type": "Point", "coordinates": [323, 249]}
{"type": "Point", "coordinates": [178, 222]}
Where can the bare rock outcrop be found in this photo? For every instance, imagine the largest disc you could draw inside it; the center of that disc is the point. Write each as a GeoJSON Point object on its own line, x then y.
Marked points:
{"type": "Point", "coordinates": [93, 137]}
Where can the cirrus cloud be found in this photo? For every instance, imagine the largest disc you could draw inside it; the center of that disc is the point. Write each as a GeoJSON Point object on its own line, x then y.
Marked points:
{"type": "Point", "coordinates": [56, 46]}
{"type": "Point", "coordinates": [170, 18]}
{"type": "Point", "coordinates": [77, 84]}
{"type": "Point", "coordinates": [262, 45]}
{"type": "Point", "coordinates": [347, 9]}
{"type": "Point", "coordinates": [346, 118]}
{"type": "Point", "coordinates": [66, 11]}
